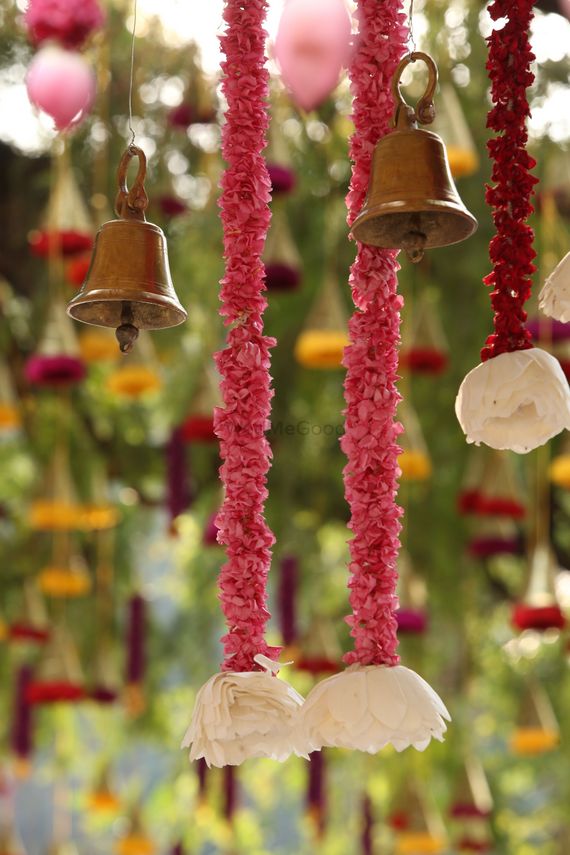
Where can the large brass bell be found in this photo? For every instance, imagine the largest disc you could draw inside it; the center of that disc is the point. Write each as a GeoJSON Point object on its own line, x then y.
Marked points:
{"type": "Point", "coordinates": [412, 202]}
{"type": "Point", "coordinates": [128, 284]}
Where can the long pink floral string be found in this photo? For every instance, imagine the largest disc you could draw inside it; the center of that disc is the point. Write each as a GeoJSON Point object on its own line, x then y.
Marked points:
{"type": "Point", "coordinates": [371, 434]}
{"type": "Point", "coordinates": [244, 363]}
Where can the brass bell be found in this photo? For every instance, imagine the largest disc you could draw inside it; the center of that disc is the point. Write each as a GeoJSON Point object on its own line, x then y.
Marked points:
{"type": "Point", "coordinates": [412, 202]}
{"type": "Point", "coordinates": [128, 284]}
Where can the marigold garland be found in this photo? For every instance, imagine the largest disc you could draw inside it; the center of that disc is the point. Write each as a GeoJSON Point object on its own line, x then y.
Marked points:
{"type": "Point", "coordinates": [511, 249]}
{"type": "Point", "coordinates": [244, 363]}
{"type": "Point", "coordinates": [370, 440]}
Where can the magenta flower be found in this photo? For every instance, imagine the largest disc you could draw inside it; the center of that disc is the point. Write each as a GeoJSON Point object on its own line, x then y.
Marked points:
{"type": "Point", "coordinates": [54, 371]}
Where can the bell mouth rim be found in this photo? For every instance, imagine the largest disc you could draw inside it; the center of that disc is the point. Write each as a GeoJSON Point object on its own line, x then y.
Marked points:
{"type": "Point", "coordinates": [81, 306]}
{"type": "Point", "coordinates": [424, 206]}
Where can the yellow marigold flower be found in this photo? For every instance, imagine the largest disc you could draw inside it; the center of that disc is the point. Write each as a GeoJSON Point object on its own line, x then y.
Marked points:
{"type": "Point", "coordinates": [134, 382]}
{"type": "Point", "coordinates": [418, 843]}
{"type": "Point", "coordinates": [98, 346]}
{"type": "Point", "coordinates": [64, 582]}
{"type": "Point", "coordinates": [97, 517]}
{"type": "Point", "coordinates": [527, 741]}
{"type": "Point", "coordinates": [54, 515]}
{"type": "Point", "coordinates": [415, 465]}
{"type": "Point", "coordinates": [135, 844]}
{"type": "Point", "coordinates": [321, 348]}
{"type": "Point", "coordinates": [462, 161]}
{"type": "Point", "coordinates": [559, 471]}
{"type": "Point", "coordinates": [10, 418]}
{"type": "Point", "coordinates": [103, 801]}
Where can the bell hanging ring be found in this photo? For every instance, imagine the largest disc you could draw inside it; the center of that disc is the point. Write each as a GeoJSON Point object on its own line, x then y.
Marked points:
{"type": "Point", "coordinates": [128, 284]}
{"type": "Point", "coordinates": [412, 202]}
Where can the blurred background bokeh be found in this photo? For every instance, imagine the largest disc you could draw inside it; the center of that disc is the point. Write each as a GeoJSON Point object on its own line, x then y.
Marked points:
{"type": "Point", "coordinates": [109, 617]}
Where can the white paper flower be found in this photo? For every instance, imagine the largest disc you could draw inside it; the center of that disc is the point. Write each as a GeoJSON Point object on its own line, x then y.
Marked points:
{"type": "Point", "coordinates": [554, 299]}
{"type": "Point", "coordinates": [367, 707]}
{"type": "Point", "coordinates": [515, 401]}
{"type": "Point", "coordinates": [242, 715]}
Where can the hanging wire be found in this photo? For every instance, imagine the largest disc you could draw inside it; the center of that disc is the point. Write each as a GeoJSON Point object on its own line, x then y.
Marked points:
{"type": "Point", "coordinates": [411, 39]}
{"type": "Point", "coordinates": [133, 37]}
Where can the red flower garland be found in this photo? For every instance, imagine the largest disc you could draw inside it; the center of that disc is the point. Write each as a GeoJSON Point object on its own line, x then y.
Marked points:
{"type": "Point", "coordinates": [511, 249]}
{"type": "Point", "coordinates": [370, 440]}
{"type": "Point", "coordinates": [244, 363]}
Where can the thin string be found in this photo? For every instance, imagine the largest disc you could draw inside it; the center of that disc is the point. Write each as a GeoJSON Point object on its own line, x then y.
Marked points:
{"type": "Point", "coordinates": [411, 39]}
{"type": "Point", "coordinates": [133, 37]}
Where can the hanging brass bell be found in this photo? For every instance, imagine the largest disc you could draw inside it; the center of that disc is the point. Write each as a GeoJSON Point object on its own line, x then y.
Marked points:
{"type": "Point", "coordinates": [412, 202]}
{"type": "Point", "coordinates": [128, 284]}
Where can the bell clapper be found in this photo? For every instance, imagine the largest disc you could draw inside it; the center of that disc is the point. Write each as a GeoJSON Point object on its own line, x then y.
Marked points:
{"type": "Point", "coordinates": [413, 244]}
{"type": "Point", "coordinates": [127, 333]}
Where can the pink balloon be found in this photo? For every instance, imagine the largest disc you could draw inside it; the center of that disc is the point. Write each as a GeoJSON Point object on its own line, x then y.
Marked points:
{"type": "Point", "coordinates": [311, 47]}
{"type": "Point", "coordinates": [62, 84]}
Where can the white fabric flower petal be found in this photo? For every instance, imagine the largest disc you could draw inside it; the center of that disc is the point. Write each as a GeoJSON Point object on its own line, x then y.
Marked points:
{"type": "Point", "coordinates": [554, 299]}
{"type": "Point", "coordinates": [515, 401]}
{"type": "Point", "coordinates": [242, 715]}
{"type": "Point", "coordinates": [367, 707]}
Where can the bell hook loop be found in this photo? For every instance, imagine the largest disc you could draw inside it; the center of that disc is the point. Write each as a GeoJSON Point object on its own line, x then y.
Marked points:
{"type": "Point", "coordinates": [424, 112]}
{"type": "Point", "coordinates": [131, 204]}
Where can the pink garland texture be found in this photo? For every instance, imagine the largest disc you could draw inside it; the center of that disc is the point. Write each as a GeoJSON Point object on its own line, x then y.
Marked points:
{"type": "Point", "coordinates": [244, 363]}
{"type": "Point", "coordinates": [371, 434]}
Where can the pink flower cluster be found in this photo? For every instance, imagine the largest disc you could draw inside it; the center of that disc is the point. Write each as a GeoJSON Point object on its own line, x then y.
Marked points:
{"type": "Point", "coordinates": [371, 431]}
{"type": "Point", "coordinates": [70, 22]}
{"type": "Point", "coordinates": [244, 363]}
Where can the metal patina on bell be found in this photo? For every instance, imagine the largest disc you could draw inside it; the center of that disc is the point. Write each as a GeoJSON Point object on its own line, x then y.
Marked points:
{"type": "Point", "coordinates": [128, 284]}
{"type": "Point", "coordinates": [412, 203]}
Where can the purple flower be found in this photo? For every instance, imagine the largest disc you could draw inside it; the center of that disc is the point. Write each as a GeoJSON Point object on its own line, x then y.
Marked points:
{"type": "Point", "coordinates": [282, 178]}
{"type": "Point", "coordinates": [281, 277]}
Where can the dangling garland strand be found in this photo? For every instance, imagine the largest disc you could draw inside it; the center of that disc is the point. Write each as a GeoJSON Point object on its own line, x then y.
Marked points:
{"type": "Point", "coordinates": [371, 360]}
{"type": "Point", "coordinates": [244, 363]}
{"type": "Point", "coordinates": [244, 711]}
{"type": "Point", "coordinates": [517, 398]}
{"type": "Point", "coordinates": [511, 251]}
{"type": "Point", "coordinates": [374, 701]}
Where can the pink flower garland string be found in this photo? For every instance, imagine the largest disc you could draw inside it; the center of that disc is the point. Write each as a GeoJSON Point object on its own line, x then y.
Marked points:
{"type": "Point", "coordinates": [375, 701]}
{"type": "Point", "coordinates": [511, 249]}
{"type": "Point", "coordinates": [244, 363]}
{"type": "Point", "coordinates": [371, 434]}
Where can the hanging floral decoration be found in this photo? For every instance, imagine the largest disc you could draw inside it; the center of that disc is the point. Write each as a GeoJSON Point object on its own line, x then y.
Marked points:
{"type": "Point", "coordinates": [62, 84]}
{"type": "Point", "coordinates": [244, 711]}
{"type": "Point", "coordinates": [66, 21]}
{"type": "Point", "coordinates": [367, 827]}
{"type": "Point", "coordinates": [178, 490]}
{"type": "Point", "coordinates": [375, 701]}
{"type": "Point", "coordinates": [518, 397]}
{"type": "Point", "coordinates": [316, 798]}
{"type": "Point", "coordinates": [54, 371]}
{"type": "Point", "coordinates": [21, 730]}
{"type": "Point", "coordinates": [283, 179]}
{"type": "Point", "coordinates": [67, 243]}
{"type": "Point", "coordinates": [554, 299]}
{"type": "Point", "coordinates": [135, 667]}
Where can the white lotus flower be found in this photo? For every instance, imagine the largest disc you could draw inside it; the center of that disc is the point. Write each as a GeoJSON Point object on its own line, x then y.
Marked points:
{"type": "Point", "coordinates": [554, 299]}
{"type": "Point", "coordinates": [514, 401]}
{"type": "Point", "coordinates": [242, 715]}
{"type": "Point", "coordinates": [367, 707]}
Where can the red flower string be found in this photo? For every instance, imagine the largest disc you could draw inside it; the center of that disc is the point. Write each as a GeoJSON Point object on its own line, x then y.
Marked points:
{"type": "Point", "coordinates": [371, 360]}
{"type": "Point", "coordinates": [244, 363]}
{"type": "Point", "coordinates": [511, 249]}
